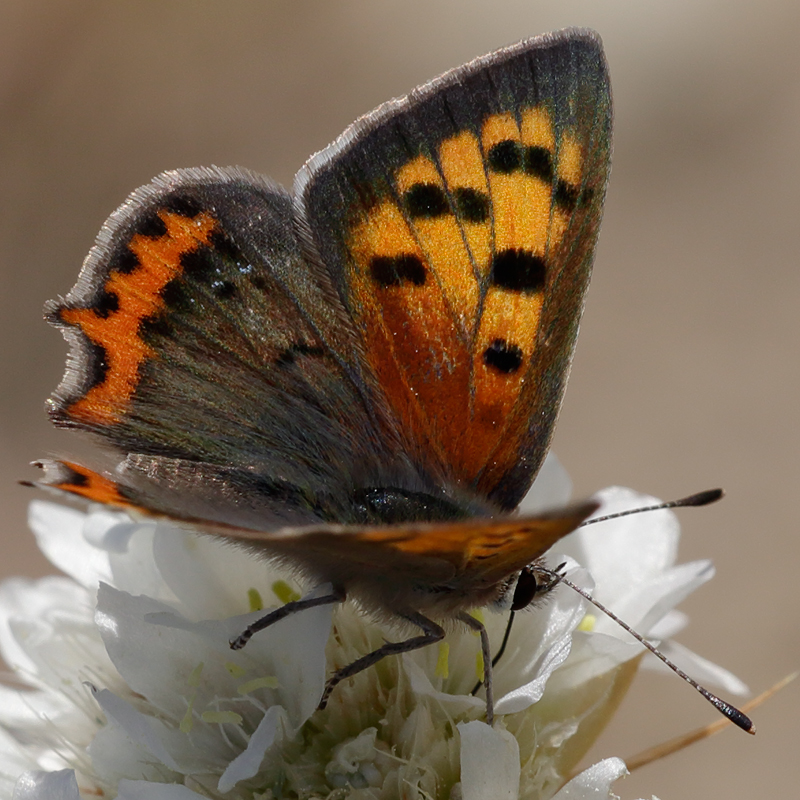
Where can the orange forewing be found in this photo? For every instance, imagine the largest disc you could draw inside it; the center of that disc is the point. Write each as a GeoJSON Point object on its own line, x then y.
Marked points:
{"type": "Point", "coordinates": [451, 341]}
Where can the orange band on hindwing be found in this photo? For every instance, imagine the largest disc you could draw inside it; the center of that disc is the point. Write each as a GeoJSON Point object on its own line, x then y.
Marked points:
{"type": "Point", "coordinates": [78, 480]}
{"type": "Point", "coordinates": [131, 294]}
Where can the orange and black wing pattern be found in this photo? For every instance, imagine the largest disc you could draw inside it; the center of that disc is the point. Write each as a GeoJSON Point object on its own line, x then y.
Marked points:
{"type": "Point", "coordinates": [202, 348]}
{"type": "Point", "coordinates": [459, 225]}
{"type": "Point", "coordinates": [403, 322]}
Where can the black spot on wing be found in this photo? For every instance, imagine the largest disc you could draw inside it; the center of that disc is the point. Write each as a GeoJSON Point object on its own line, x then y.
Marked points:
{"type": "Point", "coordinates": [566, 196]}
{"type": "Point", "coordinates": [472, 205]}
{"type": "Point", "coordinates": [211, 265]}
{"type": "Point", "coordinates": [106, 304]}
{"type": "Point", "coordinates": [125, 262]}
{"type": "Point", "coordinates": [199, 268]}
{"type": "Point", "coordinates": [71, 477]}
{"type": "Point", "coordinates": [199, 264]}
{"type": "Point", "coordinates": [505, 157]}
{"type": "Point", "coordinates": [175, 298]}
{"type": "Point", "coordinates": [98, 364]}
{"type": "Point", "coordinates": [503, 356]}
{"type": "Point", "coordinates": [426, 201]}
{"type": "Point", "coordinates": [539, 163]}
{"type": "Point", "coordinates": [518, 271]}
{"type": "Point", "coordinates": [152, 226]}
{"type": "Point", "coordinates": [394, 270]}
{"type": "Point", "coordinates": [220, 244]}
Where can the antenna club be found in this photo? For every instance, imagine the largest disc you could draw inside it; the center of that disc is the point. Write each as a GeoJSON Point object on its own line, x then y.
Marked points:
{"type": "Point", "coordinates": [702, 498]}
{"type": "Point", "coordinates": [737, 717]}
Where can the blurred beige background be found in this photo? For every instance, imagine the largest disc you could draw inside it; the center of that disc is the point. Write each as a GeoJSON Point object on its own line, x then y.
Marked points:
{"type": "Point", "coordinates": [686, 375]}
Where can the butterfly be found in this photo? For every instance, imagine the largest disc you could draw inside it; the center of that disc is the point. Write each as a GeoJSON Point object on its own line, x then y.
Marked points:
{"type": "Point", "coordinates": [359, 377]}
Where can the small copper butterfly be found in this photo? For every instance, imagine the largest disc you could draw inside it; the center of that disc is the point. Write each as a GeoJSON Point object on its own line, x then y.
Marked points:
{"type": "Point", "coordinates": [359, 377]}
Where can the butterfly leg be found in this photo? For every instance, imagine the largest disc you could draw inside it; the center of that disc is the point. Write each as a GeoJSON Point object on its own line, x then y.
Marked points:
{"type": "Point", "coordinates": [486, 650]}
{"type": "Point", "coordinates": [336, 596]}
{"type": "Point", "coordinates": [432, 633]}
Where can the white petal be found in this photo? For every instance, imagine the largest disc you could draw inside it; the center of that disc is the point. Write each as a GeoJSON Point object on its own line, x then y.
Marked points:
{"type": "Point", "coordinates": [49, 638]}
{"type": "Point", "coordinates": [202, 750]}
{"type": "Point", "coordinates": [540, 642]}
{"type": "Point", "coordinates": [248, 762]}
{"type": "Point", "coordinates": [26, 710]}
{"type": "Point", "coordinates": [628, 552]}
{"type": "Point", "coordinates": [111, 531]}
{"type": "Point", "coordinates": [135, 571]}
{"type": "Point", "coordinates": [217, 584]}
{"type": "Point", "coordinates": [421, 684]}
{"type": "Point", "coordinates": [36, 785]}
{"type": "Point", "coordinates": [646, 604]}
{"type": "Point", "coordinates": [15, 759]}
{"type": "Point", "coordinates": [41, 605]}
{"type": "Point", "coordinates": [59, 533]}
{"type": "Point", "coordinates": [671, 623]}
{"type": "Point", "coordinates": [671, 589]}
{"type": "Point", "coordinates": [113, 753]}
{"type": "Point", "coordinates": [531, 692]}
{"type": "Point", "coordinates": [156, 651]}
{"type": "Point", "coordinates": [594, 783]}
{"type": "Point", "coordinates": [158, 661]}
{"type": "Point", "coordinates": [592, 655]}
{"type": "Point", "coordinates": [490, 767]}
{"type": "Point", "coordinates": [153, 664]}
{"type": "Point", "coordinates": [145, 731]}
{"type": "Point", "coordinates": [292, 651]}
{"type": "Point", "coordinates": [147, 790]}
{"type": "Point", "coordinates": [703, 671]}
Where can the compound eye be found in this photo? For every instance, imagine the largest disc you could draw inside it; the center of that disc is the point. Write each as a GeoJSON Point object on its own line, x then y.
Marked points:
{"type": "Point", "coordinates": [526, 589]}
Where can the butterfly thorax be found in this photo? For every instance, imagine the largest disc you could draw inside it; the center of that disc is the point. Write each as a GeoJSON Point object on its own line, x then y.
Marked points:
{"type": "Point", "coordinates": [392, 505]}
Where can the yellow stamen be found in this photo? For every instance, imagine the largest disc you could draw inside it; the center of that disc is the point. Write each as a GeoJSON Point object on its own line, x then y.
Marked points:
{"type": "Point", "coordinates": [284, 592]}
{"type": "Point", "coordinates": [235, 670]}
{"type": "Point", "coordinates": [587, 623]}
{"type": "Point", "coordinates": [479, 665]}
{"type": "Point", "coordinates": [254, 600]}
{"type": "Point", "coordinates": [443, 661]}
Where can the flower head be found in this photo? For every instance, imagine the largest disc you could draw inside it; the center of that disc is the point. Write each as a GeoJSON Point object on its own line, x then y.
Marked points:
{"type": "Point", "coordinates": [133, 691]}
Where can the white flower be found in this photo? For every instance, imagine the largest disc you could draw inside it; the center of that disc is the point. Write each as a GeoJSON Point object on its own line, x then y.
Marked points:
{"type": "Point", "coordinates": [133, 691]}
